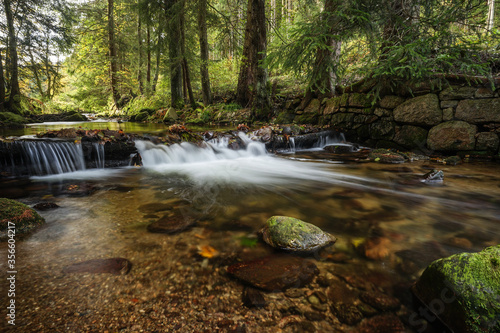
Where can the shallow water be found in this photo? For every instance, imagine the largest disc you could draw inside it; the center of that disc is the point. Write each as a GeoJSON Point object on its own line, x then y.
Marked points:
{"type": "Point", "coordinates": [231, 194]}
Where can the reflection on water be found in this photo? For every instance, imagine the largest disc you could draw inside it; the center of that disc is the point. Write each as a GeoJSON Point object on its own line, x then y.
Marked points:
{"type": "Point", "coordinates": [385, 225]}
{"type": "Point", "coordinates": [127, 127]}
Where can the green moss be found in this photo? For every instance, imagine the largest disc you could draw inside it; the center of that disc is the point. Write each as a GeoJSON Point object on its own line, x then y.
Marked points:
{"type": "Point", "coordinates": [473, 279]}
{"type": "Point", "coordinates": [25, 218]}
{"type": "Point", "coordinates": [11, 118]}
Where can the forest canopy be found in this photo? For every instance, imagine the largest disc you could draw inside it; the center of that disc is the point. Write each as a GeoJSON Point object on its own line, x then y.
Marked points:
{"type": "Point", "coordinates": [119, 56]}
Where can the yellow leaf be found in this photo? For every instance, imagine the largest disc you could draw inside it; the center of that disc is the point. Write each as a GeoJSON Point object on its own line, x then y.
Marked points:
{"type": "Point", "coordinates": [207, 251]}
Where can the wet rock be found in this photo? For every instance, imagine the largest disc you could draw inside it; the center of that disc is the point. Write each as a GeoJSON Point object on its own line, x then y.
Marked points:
{"type": "Point", "coordinates": [171, 224]}
{"type": "Point", "coordinates": [117, 266]}
{"type": "Point", "coordinates": [453, 160]}
{"type": "Point", "coordinates": [367, 310]}
{"type": "Point", "coordinates": [462, 290]}
{"type": "Point", "coordinates": [434, 177]}
{"type": "Point", "coordinates": [253, 298]}
{"type": "Point", "coordinates": [339, 149]}
{"type": "Point", "coordinates": [386, 323]}
{"type": "Point", "coordinates": [380, 300]}
{"type": "Point", "coordinates": [385, 156]}
{"type": "Point", "coordinates": [294, 293]}
{"type": "Point", "coordinates": [275, 272]}
{"type": "Point", "coordinates": [459, 242]}
{"type": "Point", "coordinates": [339, 292]}
{"type": "Point", "coordinates": [314, 316]}
{"type": "Point", "coordinates": [347, 313]}
{"type": "Point", "coordinates": [45, 206]}
{"type": "Point", "coordinates": [291, 234]}
{"type": "Point", "coordinates": [17, 219]}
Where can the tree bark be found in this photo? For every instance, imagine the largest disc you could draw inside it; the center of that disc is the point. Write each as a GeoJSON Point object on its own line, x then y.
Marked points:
{"type": "Point", "coordinates": [14, 102]}
{"type": "Point", "coordinates": [113, 68]}
{"type": "Point", "coordinates": [148, 67]}
{"type": "Point", "coordinates": [185, 66]}
{"type": "Point", "coordinates": [2, 85]}
{"type": "Point", "coordinates": [174, 46]}
{"type": "Point", "coordinates": [139, 45]}
{"type": "Point", "coordinates": [203, 36]}
{"type": "Point", "coordinates": [252, 81]}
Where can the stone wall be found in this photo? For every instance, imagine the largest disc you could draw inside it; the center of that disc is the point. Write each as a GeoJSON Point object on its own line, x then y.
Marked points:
{"type": "Point", "coordinates": [458, 118]}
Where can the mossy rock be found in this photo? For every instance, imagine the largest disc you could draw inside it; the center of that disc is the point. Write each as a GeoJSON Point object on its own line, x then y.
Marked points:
{"type": "Point", "coordinates": [11, 118]}
{"type": "Point", "coordinates": [75, 117]}
{"type": "Point", "coordinates": [386, 156]}
{"type": "Point", "coordinates": [463, 290]}
{"type": "Point", "coordinates": [291, 234]}
{"type": "Point", "coordinates": [142, 116]}
{"type": "Point", "coordinates": [25, 218]}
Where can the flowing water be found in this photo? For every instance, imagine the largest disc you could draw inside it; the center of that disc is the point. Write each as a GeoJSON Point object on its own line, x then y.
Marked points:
{"type": "Point", "coordinates": [388, 226]}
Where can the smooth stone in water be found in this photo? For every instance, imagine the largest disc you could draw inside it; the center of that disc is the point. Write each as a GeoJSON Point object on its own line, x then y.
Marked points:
{"type": "Point", "coordinates": [434, 177]}
{"type": "Point", "coordinates": [171, 224]}
{"type": "Point", "coordinates": [275, 272]}
{"type": "Point", "coordinates": [291, 234]}
{"type": "Point", "coordinates": [117, 266]}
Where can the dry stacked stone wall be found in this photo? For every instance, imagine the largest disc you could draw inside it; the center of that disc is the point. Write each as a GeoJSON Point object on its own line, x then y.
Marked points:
{"type": "Point", "coordinates": [458, 118]}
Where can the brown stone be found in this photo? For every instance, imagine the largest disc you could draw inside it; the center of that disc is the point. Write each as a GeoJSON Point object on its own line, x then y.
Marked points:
{"type": "Point", "coordinates": [275, 272]}
{"type": "Point", "coordinates": [421, 110]}
{"type": "Point", "coordinates": [478, 111]}
{"type": "Point", "coordinates": [452, 136]}
{"type": "Point", "coordinates": [380, 301]}
{"type": "Point", "coordinates": [170, 224]}
{"type": "Point", "coordinates": [390, 101]}
{"type": "Point", "coordinates": [117, 266]}
{"type": "Point", "coordinates": [487, 141]}
{"type": "Point", "coordinates": [451, 93]}
{"type": "Point", "coordinates": [411, 136]}
{"type": "Point", "coordinates": [385, 323]}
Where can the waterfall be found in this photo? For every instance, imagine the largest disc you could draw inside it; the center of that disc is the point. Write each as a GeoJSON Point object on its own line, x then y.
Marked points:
{"type": "Point", "coordinates": [99, 152]}
{"type": "Point", "coordinates": [44, 158]}
{"type": "Point", "coordinates": [40, 158]}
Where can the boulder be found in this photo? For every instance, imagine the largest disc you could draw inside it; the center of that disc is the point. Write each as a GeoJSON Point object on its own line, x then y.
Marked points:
{"type": "Point", "coordinates": [141, 116]}
{"type": "Point", "coordinates": [411, 136]}
{"type": "Point", "coordinates": [386, 156]}
{"type": "Point", "coordinates": [170, 115]}
{"type": "Point", "coordinates": [452, 93]}
{"type": "Point", "coordinates": [478, 111]}
{"type": "Point", "coordinates": [487, 141]}
{"type": "Point", "coordinates": [422, 110]}
{"type": "Point", "coordinates": [452, 136]}
{"type": "Point", "coordinates": [313, 106]}
{"type": "Point", "coordinates": [291, 234]}
{"type": "Point", "coordinates": [275, 272]}
{"type": "Point", "coordinates": [382, 129]}
{"type": "Point", "coordinates": [463, 290]}
{"type": "Point", "coordinates": [391, 101]}
{"type": "Point", "coordinates": [24, 218]}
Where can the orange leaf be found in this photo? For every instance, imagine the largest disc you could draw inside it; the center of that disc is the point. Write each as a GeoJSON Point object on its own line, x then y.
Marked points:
{"type": "Point", "coordinates": [207, 251]}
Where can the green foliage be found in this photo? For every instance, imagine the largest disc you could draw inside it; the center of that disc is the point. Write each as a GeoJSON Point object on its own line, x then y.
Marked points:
{"type": "Point", "coordinates": [139, 103]}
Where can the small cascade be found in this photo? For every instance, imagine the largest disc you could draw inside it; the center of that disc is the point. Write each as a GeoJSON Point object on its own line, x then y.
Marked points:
{"type": "Point", "coordinates": [98, 149]}
{"type": "Point", "coordinates": [48, 158]}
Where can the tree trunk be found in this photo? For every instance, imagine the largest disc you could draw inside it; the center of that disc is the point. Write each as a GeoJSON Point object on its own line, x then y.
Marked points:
{"type": "Point", "coordinates": [174, 46]}
{"type": "Point", "coordinates": [158, 58]}
{"type": "Point", "coordinates": [113, 68]}
{"type": "Point", "coordinates": [14, 102]}
{"type": "Point", "coordinates": [252, 81]}
{"type": "Point", "coordinates": [202, 30]}
{"type": "Point", "coordinates": [2, 85]}
{"type": "Point", "coordinates": [139, 62]}
{"type": "Point", "coordinates": [34, 69]}
{"type": "Point", "coordinates": [491, 16]}
{"type": "Point", "coordinates": [148, 67]}
{"type": "Point", "coordinates": [185, 67]}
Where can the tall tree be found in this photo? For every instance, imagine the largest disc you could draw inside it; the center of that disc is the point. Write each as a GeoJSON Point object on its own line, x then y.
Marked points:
{"type": "Point", "coordinates": [14, 102]}
{"type": "Point", "coordinates": [252, 81]}
{"type": "Point", "coordinates": [185, 67]}
{"type": "Point", "coordinates": [112, 53]}
{"type": "Point", "coordinates": [172, 15]}
{"type": "Point", "coordinates": [203, 36]}
{"type": "Point", "coordinates": [2, 84]}
{"type": "Point", "coordinates": [139, 52]}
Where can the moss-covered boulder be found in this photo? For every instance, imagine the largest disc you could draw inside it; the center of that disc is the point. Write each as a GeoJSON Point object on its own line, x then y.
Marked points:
{"type": "Point", "coordinates": [9, 118]}
{"type": "Point", "coordinates": [23, 217]}
{"type": "Point", "coordinates": [463, 290]}
{"type": "Point", "coordinates": [141, 116]}
{"type": "Point", "coordinates": [291, 234]}
{"type": "Point", "coordinates": [75, 116]}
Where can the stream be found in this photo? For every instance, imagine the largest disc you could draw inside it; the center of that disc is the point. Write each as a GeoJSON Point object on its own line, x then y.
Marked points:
{"type": "Point", "coordinates": [388, 225]}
